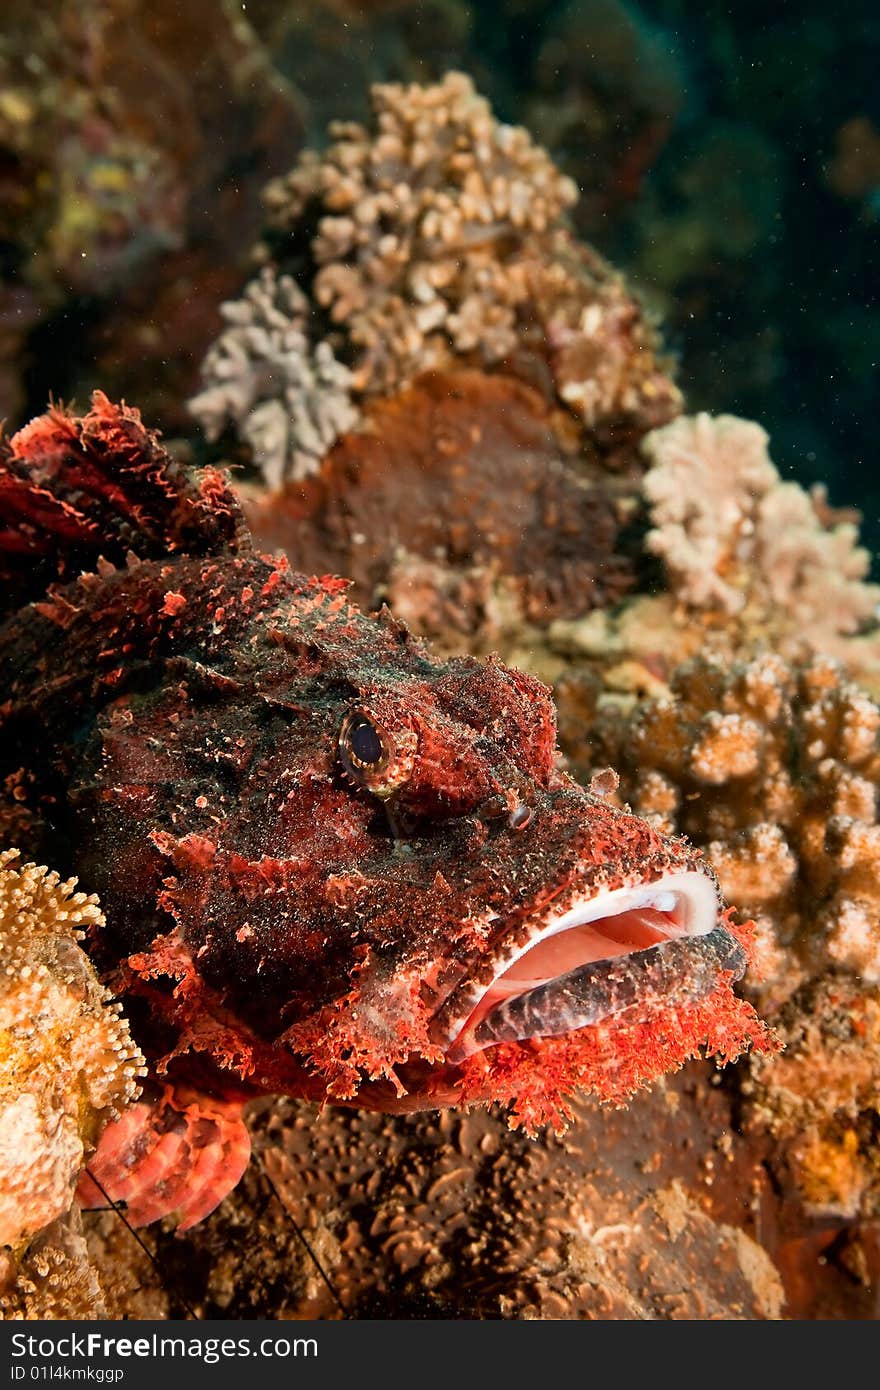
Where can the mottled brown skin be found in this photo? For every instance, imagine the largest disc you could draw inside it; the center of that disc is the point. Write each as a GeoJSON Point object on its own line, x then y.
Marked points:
{"type": "Point", "coordinates": [170, 726]}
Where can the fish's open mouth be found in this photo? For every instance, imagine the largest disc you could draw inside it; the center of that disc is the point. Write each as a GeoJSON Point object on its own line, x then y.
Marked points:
{"type": "Point", "coordinates": [646, 944]}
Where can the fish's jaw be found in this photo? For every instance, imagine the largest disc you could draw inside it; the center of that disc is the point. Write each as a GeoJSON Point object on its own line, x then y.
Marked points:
{"type": "Point", "coordinates": [560, 960]}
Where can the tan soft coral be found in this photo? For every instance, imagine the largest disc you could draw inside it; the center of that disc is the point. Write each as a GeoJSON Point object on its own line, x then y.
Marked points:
{"type": "Point", "coordinates": [436, 240]}
{"type": "Point", "coordinates": [423, 211]}
{"type": "Point", "coordinates": [67, 1061]}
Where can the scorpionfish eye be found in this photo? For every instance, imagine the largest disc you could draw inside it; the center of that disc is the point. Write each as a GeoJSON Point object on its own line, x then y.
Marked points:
{"type": "Point", "coordinates": [373, 756]}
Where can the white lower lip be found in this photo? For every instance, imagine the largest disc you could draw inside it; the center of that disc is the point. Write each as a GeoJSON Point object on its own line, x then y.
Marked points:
{"type": "Point", "coordinates": [688, 897]}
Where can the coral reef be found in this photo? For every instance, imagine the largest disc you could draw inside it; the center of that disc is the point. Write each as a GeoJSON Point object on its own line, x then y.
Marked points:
{"type": "Point", "coordinates": [452, 394]}
{"type": "Point", "coordinates": [752, 563]}
{"type": "Point", "coordinates": [437, 241]}
{"type": "Point", "coordinates": [592, 1236]}
{"type": "Point", "coordinates": [636, 1213]}
{"type": "Point", "coordinates": [732, 533]}
{"type": "Point", "coordinates": [67, 1062]}
{"type": "Point", "coordinates": [774, 769]}
{"type": "Point", "coordinates": [820, 1100]}
{"type": "Point", "coordinates": [54, 1277]}
{"type": "Point", "coordinates": [133, 142]}
{"type": "Point", "coordinates": [441, 211]}
{"type": "Point", "coordinates": [453, 386]}
{"type": "Point", "coordinates": [331, 859]}
{"type": "Point", "coordinates": [492, 517]}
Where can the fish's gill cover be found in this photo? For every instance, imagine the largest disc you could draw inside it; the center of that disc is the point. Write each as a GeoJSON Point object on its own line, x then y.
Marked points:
{"type": "Point", "coordinates": [172, 721]}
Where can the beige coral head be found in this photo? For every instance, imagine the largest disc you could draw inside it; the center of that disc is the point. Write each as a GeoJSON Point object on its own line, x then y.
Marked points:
{"type": "Point", "coordinates": [67, 1059]}
{"type": "Point", "coordinates": [733, 535]}
{"type": "Point", "coordinates": [437, 237]}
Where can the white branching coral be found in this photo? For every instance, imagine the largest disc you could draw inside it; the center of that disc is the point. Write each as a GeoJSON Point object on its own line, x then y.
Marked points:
{"type": "Point", "coordinates": [437, 239]}
{"type": "Point", "coordinates": [705, 479]}
{"type": "Point", "coordinates": [731, 532]}
{"type": "Point", "coordinates": [67, 1060]}
{"type": "Point", "coordinates": [289, 400]}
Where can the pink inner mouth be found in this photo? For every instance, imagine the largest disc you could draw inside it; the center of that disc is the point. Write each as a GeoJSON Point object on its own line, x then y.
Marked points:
{"type": "Point", "coordinates": [606, 927]}
{"type": "Point", "coordinates": [636, 930]}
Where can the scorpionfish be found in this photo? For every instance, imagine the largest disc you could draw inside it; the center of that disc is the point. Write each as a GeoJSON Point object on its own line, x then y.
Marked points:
{"type": "Point", "coordinates": [333, 863]}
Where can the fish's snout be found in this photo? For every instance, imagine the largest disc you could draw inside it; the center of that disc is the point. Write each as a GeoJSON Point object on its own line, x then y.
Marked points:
{"type": "Point", "coordinates": [621, 919]}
